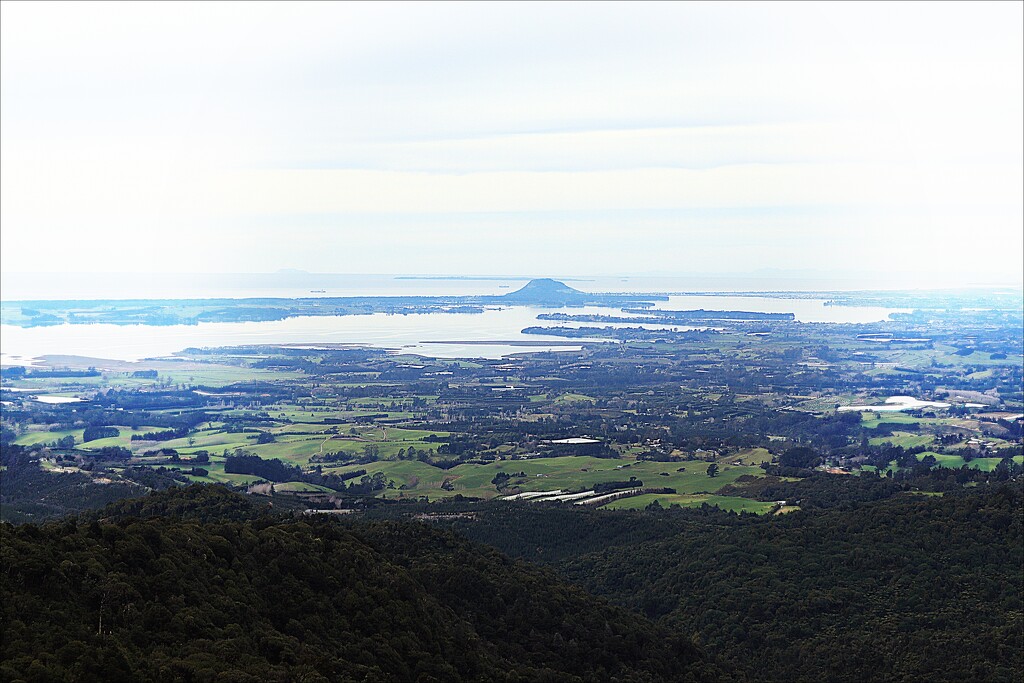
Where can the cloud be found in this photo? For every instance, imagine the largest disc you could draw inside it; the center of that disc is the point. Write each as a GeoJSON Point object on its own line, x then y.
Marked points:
{"type": "Point", "coordinates": [748, 185]}
{"type": "Point", "coordinates": [145, 129]}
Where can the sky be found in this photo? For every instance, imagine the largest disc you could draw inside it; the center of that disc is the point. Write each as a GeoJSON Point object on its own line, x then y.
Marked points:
{"type": "Point", "coordinates": [508, 139]}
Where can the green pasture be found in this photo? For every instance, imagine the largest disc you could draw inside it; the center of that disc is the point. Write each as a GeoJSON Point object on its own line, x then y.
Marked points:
{"type": "Point", "coordinates": [904, 439]}
{"type": "Point", "coordinates": [574, 398]}
{"type": "Point", "coordinates": [294, 449]}
{"type": "Point", "coordinates": [387, 450]}
{"type": "Point", "coordinates": [826, 403]}
{"type": "Point", "coordinates": [291, 413]}
{"type": "Point", "coordinates": [942, 354]}
{"type": "Point", "coordinates": [319, 414]}
{"type": "Point", "coordinates": [952, 462]}
{"type": "Point", "coordinates": [216, 473]}
{"type": "Point", "coordinates": [729, 503]}
{"type": "Point", "coordinates": [34, 438]}
{"type": "Point", "coordinates": [300, 487]}
{"type": "Point", "coordinates": [204, 440]}
{"type": "Point", "coordinates": [694, 479]}
{"type": "Point", "coordinates": [299, 448]}
{"type": "Point", "coordinates": [474, 479]}
{"type": "Point", "coordinates": [401, 434]}
{"type": "Point", "coordinates": [209, 375]}
{"type": "Point", "coordinates": [402, 472]}
{"type": "Point", "coordinates": [891, 467]}
{"type": "Point", "coordinates": [124, 439]}
{"type": "Point", "coordinates": [870, 420]}
{"type": "Point", "coordinates": [568, 473]}
{"type": "Point", "coordinates": [306, 428]}
{"type": "Point", "coordinates": [58, 385]}
{"type": "Point", "coordinates": [372, 403]}
{"type": "Point", "coordinates": [956, 461]}
{"type": "Point", "coordinates": [222, 375]}
{"type": "Point", "coordinates": [749, 456]}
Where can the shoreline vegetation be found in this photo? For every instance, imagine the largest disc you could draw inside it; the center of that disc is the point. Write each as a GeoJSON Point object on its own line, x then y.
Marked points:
{"type": "Point", "coordinates": [635, 308]}
{"type": "Point", "coordinates": [194, 311]}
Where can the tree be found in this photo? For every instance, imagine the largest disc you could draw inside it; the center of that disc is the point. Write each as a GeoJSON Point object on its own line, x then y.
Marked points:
{"type": "Point", "coordinates": [94, 433]}
{"type": "Point", "coordinates": [800, 456]}
{"type": "Point", "coordinates": [713, 469]}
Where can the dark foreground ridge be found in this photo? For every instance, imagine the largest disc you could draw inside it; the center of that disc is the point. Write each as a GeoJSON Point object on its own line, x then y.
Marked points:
{"type": "Point", "coordinates": [199, 584]}
{"type": "Point", "coordinates": [870, 582]}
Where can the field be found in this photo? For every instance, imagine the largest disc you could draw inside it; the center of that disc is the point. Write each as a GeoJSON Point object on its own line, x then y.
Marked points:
{"type": "Point", "coordinates": [870, 420]}
{"type": "Point", "coordinates": [730, 503]}
{"type": "Point", "coordinates": [956, 461]}
{"type": "Point", "coordinates": [904, 439]}
{"type": "Point", "coordinates": [568, 473]}
{"type": "Point", "coordinates": [659, 411]}
{"type": "Point", "coordinates": [170, 373]}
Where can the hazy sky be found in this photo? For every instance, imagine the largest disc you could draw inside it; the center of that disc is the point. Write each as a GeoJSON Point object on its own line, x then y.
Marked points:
{"type": "Point", "coordinates": [485, 138]}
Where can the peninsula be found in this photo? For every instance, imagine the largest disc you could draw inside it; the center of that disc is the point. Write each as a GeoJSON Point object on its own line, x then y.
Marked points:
{"type": "Point", "coordinates": [539, 292]}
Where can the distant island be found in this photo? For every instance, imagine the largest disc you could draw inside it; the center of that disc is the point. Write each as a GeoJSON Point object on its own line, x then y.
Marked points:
{"type": "Point", "coordinates": [548, 291]}
{"type": "Point", "coordinates": [539, 292]}
{"type": "Point", "coordinates": [476, 278]}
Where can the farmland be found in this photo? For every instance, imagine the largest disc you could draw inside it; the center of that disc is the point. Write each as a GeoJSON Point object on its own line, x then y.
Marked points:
{"type": "Point", "coordinates": [697, 415]}
{"type": "Point", "coordinates": [746, 483]}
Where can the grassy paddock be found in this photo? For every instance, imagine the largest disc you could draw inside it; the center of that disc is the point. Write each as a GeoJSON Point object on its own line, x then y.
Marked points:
{"type": "Point", "coordinates": [956, 461]}
{"type": "Point", "coordinates": [568, 473]}
{"type": "Point", "coordinates": [905, 439]}
{"type": "Point", "coordinates": [729, 503]}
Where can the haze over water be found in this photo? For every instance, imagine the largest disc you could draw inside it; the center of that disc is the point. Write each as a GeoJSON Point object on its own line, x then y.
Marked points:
{"type": "Point", "coordinates": [294, 284]}
{"type": "Point", "coordinates": [412, 333]}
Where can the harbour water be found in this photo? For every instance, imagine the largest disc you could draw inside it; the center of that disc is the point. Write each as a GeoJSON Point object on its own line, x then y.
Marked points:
{"type": "Point", "coordinates": [491, 334]}
{"type": "Point", "coordinates": [291, 284]}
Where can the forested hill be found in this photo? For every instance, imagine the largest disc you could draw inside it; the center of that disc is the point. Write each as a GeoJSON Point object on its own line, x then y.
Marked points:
{"type": "Point", "coordinates": [911, 587]}
{"type": "Point", "coordinates": [200, 585]}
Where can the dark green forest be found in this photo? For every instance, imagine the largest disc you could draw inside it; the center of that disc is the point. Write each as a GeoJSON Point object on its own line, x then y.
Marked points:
{"type": "Point", "coordinates": [200, 584]}
{"type": "Point", "coordinates": [872, 582]}
{"type": "Point", "coordinates": [879, 582]}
